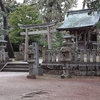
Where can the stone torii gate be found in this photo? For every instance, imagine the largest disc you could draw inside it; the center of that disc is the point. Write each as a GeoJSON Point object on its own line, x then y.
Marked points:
{"type": "Point", "coordinates": [37, 26]}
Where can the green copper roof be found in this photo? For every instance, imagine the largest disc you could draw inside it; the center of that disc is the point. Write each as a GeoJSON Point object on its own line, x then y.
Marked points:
{"type": "Point", "coordinates": [79, 19]}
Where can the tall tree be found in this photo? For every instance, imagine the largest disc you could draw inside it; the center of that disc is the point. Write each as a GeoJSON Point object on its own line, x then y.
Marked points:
{"type": "Point", "coordinates": [95, 5]}
{"type": "Point", "coordinates": [5, 26]}
{"type": "Point", "coordinates": [52, 9]}
{"type": "Point", "coordinates": [24, 14]}
{"type": "Point", "coordinates": [92, 4]}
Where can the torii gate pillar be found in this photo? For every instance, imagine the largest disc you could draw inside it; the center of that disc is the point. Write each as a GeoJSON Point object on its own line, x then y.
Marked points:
{"type": "Point", "coordinates": [49, 38]}
{"type": "Point", "coordinates": [26, 46]}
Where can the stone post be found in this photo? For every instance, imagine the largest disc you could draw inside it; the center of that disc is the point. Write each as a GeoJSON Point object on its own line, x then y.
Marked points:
{"type": "Point", "coordinates": [37, 69]}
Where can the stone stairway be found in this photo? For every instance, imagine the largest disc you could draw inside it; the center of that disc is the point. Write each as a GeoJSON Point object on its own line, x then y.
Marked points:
{"type": "Point", "coordinates": [15, 67]}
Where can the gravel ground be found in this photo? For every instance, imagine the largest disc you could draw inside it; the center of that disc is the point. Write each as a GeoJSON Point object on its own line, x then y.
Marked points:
{"type": "Point", "coordinates": [16, 86]}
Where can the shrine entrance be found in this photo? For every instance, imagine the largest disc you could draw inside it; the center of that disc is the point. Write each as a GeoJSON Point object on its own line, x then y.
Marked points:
{"type": "Point", "coordinates": [47, 30]}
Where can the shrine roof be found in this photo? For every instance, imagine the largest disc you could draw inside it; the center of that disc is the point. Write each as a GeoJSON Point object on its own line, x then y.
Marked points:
{"type": "Point", "coordinates": [79, 19]}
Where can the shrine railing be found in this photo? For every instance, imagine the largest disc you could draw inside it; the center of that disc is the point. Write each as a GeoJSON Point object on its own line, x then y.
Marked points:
{"type": "Point", "coordinates": [86, 56]}
{"type": "Point", "coordinates": [52, 56]}
{"type": "Point", "coordinates": [55, 56]}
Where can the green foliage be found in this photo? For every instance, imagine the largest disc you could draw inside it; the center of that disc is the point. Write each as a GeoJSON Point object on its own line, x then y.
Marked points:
{"type": "Point", "coordinates": [57, 40]}
{"type": "Point", "coordinates": [24, 14]}
{"type": "Point", "coordinates": [7, 7]}
{"type": "Point", "coordinates": [10, 6]}
{"type": "Point", "coordinates": [2, 31]}
{"type": "Point", "coordinates": [42, 41]}
{"type": "Point", "coordinates": [98, 25]}
{"type": "Point", "coordinates": [95, 4]}
{"type": "Point", "coordinates": [15, 36]}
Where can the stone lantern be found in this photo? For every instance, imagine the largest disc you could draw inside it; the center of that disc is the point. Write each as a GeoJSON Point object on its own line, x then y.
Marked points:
{"type": "Point", "coordinates": [31, 62]}
{"type": "Point", "coordinates": [66, 49]}
{"type": "Point", "coordinates": [2, 49]}
{"type": "Point", "coordinates": [30, 52]}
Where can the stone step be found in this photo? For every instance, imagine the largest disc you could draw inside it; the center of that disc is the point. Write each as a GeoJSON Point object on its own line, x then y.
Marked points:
{"type": "Point", "coordinates": [15, 70]}
{"type": "Point", "coordinates": [16, 67]}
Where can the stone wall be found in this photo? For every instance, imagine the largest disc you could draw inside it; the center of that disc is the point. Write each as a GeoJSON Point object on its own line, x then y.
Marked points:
{"type": "Point", "coordinates": [78, 71]}
{"type": "Point", "coordinates": [18, 56]}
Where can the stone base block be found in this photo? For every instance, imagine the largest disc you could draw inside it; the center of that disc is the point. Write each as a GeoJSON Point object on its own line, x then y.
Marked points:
{"type": "Point", "coordinates": [38, 71]}
{"type": "Point", "coordinates": [31, 76]}
{"type": "Point", "coordinates": [83, 73]}
{"type": "Point", "coordinates": [91, 73]}
{"type": "Point", "coordinates": [98, 73]}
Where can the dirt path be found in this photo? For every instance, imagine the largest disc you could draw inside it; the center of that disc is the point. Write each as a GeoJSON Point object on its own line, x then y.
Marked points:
{"type": "Point", "coordinates": [15, 86]}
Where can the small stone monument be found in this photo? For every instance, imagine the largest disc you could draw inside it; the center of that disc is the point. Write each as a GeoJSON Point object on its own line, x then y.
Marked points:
{"type": "Point", "coordinates": [66, 49]}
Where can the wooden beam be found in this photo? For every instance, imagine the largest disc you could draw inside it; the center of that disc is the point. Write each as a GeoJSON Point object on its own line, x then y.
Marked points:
{"type": "Point", "coordinates": [38, 32]}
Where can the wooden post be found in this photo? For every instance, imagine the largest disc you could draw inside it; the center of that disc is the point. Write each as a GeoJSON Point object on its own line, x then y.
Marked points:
{"type": "Point", "coordinates": [88, 56]}
{"type": "Point", "coordinates": [54, 55]}
{"type": "Point", "coordinates": [0, 55]}
{"type": "Point", "coordinates": [49, 37]}
{"type": "Point", "coordinates": [76, 41]}
{"type": "Point", "coordinates": [59, 56]}
{"type": "Point", "coordinates": [82, 55]}
{"type": "Point", "coordinates": [94, 56]}
{"type": "Point", "coordinates": [48, 55]}
{"type": "Point", "coordinates": [26, 46]}
{"type": "Point", "coordinates": [44, 54]}
{"type": "Point", "coordinates": [85, 40]}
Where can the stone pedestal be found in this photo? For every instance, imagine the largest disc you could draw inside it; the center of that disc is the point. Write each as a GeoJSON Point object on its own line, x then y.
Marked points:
{"type": "Point", "coordinates": [38, 71]}
{"type": "Point", "coordinates": [31, 70]}
{"type": "Point", "coordinates": [66, 73]}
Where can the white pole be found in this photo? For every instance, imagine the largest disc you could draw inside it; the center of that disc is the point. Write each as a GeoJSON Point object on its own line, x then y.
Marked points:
{"type": "Point", "coordinates": [76, 41]}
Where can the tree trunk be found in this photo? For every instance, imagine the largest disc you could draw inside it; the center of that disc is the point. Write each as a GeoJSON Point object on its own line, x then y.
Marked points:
{"type": "Point", "coordinates": [5, 26]}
